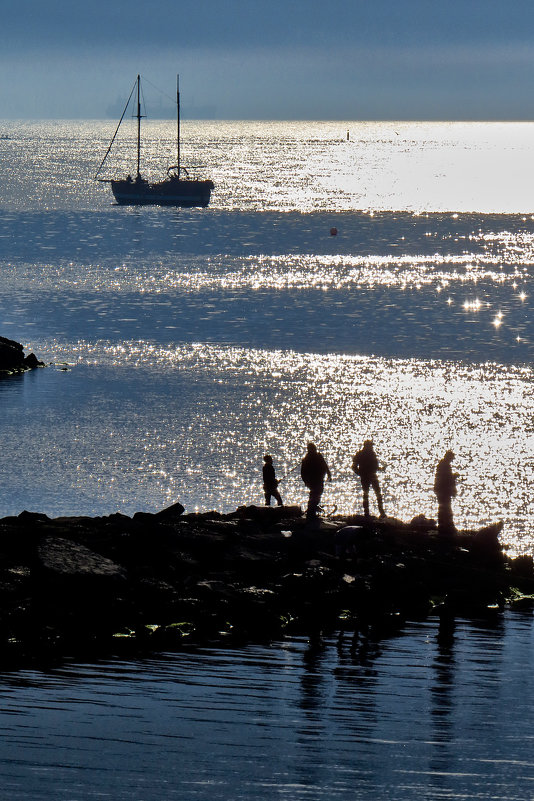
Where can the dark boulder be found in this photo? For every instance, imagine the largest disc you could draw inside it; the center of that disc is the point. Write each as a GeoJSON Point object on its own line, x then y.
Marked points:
{"type": "Point", "coordinates": [61, 558]}
{"type": "Point", "coordinates": [268, 515]}
{"type": "Point", "coordinates": [11, 354]}
{"type": "Point", "coordinates": [171, 512]}
{"type": "Point", "coordinates": [12, 358]}
{"type": "Point", "coordinates": [31, 361]}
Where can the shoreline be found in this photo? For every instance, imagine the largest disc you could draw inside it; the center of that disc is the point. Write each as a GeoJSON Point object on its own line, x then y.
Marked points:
{"type": "Point", "coordinates": [83, 587]}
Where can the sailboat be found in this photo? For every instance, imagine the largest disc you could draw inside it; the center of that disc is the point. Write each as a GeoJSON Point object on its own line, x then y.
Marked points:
{"type": "Point", "coordinates": [176, 189]}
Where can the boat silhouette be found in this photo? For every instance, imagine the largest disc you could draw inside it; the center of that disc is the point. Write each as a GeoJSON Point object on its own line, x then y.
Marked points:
{"type": "Point", "coordinates": [176, 189]}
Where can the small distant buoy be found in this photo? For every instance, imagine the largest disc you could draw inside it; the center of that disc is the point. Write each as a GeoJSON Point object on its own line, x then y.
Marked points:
{"type": "Point", "coordinates": [333, 232]}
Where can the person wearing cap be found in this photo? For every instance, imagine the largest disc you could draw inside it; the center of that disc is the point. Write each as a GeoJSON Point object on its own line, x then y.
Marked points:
{"type": "Point", "coordinates": [365, 465]}
{"type": "Point", "coordinates": [445, 489]}
{"type": "Point", "coordinates": [270, 484]}
{"type": "Point", "coordinates": [313, 470]}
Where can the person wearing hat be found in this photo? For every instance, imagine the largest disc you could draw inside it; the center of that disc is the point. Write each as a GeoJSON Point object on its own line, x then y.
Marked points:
{"type": "Point", "coordinates": [445, 489]}
{"type": "Point", "coordinates": [313, 470]}
{"type": "Point", "coordinates": [365, 465]}
{"type": "Point", "coordinates": [270, 484]}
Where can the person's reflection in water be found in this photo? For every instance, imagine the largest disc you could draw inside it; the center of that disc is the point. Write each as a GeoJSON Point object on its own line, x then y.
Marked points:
{"type": "Point", "coordinates": [314, 701]}
{"type": "Point", "coordinates": [443, 696]}
{"type": "Point", "coordinates": [364, 649]}
{"type": "Point", "coordinates": [446, 628]}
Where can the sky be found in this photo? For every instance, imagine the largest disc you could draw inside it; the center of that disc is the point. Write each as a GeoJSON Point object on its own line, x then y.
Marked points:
{"type": "Point", "coordinates": [271, 59]}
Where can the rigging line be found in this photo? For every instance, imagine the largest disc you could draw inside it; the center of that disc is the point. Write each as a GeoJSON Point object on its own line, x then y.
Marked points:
{"type": "Point", "coordinates": [116, 132]}
{"type": "Point", "coordinates": [143, 102]}
{"type": "Point", "coordinates": [145, 80]}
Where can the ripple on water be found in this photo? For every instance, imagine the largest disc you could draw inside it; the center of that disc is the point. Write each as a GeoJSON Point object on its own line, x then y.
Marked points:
{"type": "Point", "coordinates": [398, 719]}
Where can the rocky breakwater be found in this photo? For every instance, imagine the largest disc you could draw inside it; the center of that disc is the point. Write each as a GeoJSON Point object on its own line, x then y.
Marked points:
{"type": "Point", "coordinates": [84, 585]}
{"type": "Point", "coordinates": [13, 360]}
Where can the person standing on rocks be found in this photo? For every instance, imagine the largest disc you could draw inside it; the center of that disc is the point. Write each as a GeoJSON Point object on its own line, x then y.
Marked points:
{"type": "Point", "coordinates": [365, 465]}
{"type": "Point", "coordinates": [445, 489]}
{"type": "Point", "coordinates": [270, 483]}
{"type": "Point", "coordinates": [313, 470]}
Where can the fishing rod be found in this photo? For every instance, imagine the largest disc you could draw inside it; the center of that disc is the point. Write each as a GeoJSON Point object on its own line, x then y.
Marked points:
{"type": "Point", "coordinates": [288, 473]}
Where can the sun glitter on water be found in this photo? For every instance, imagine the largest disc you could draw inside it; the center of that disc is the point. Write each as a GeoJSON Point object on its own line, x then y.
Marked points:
{"type": "Point", "coordinates": [235, 404]}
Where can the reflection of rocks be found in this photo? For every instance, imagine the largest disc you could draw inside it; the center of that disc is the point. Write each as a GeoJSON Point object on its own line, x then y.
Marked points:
{"type": "Point", "coordinates": [80, 585]}
{"type": "Point", "coordinates": [12, 358]}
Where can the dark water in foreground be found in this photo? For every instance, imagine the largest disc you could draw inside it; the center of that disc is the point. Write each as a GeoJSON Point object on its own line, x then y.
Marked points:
{"type": "Point", "coordinates": [413, 717]}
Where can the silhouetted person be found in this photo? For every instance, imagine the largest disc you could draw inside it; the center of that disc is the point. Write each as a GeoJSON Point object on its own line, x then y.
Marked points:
{"type": "Point", "coordinates": [365, 465]}
{"type": "Point", "coordinates": [313, 470]}
{"type": "Point", "coordinates": [445, 489]}
{"type": "Point", "coordinates": [270, 484]}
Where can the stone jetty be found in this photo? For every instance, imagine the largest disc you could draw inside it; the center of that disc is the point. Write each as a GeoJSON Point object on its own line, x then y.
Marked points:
{"type": "Point", "coordinates": [13, 360]}
{"type": "Point", "coordinates": [83, 586]}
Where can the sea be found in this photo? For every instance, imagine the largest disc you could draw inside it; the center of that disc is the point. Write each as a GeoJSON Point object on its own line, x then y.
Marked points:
{"type": "Point", "coordinates": [348, 281]}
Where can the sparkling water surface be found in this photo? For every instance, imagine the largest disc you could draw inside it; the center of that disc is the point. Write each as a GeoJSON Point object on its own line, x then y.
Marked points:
{"type": "Point", "coordinates": [184, 344]}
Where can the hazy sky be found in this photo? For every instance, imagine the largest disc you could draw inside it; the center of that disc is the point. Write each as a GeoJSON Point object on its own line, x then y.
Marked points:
{"type": "Point", "coordinates": [272, 59]}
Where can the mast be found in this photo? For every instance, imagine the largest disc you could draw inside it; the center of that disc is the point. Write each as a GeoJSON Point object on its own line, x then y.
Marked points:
{"type": "Point", "coordinates": [138, 125]}
{"type": "Point", "coordinates": [178, 125]}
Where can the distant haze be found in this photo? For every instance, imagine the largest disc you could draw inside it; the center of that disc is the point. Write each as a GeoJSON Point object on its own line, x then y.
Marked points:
{"type": "Point", "coordinates": [271, 59]}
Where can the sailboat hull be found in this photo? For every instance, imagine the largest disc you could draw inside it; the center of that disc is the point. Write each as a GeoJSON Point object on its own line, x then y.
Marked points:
{"type": "Point", "coordinates": [171, 192]}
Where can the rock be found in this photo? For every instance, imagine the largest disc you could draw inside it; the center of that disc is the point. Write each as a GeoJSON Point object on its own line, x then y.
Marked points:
{"type": "Point", "coordinates": [252, 574]}
{"type": "Point", "coordinates": [12, 357]}
{"type": "Point", "coordinates": [347, 540]}
{"type": "Point", "coordinates": [171, 512]}
{"type": "Point", "coordinates": [523, 566]}
{"type": "Point", "coordinates": [143, 517]}
{"type": "Point", "coordinates": [11, 354]}
{"type": "Point", "coordinates": [32, 517]}
{"type": "Point", "coordinates": [423, 523]}
{"type": "Point", "coordinates": [267, 515]}
{"type": "Point", "coordinates": [31, 361]}
{"type": "Point", "coordinates": [484, 543]}
{"type": "Point", "coordinates": [63, 558]}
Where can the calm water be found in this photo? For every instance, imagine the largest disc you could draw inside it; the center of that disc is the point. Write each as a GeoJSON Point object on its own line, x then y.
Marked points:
{"type": "Point", "coordinates": [410, 718]}
{"type": "Point", "coordinates": [184, 344]}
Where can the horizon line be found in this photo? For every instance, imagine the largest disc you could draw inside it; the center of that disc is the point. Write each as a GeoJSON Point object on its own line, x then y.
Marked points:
{"type": "Point", "coordinates": [286, 119]}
